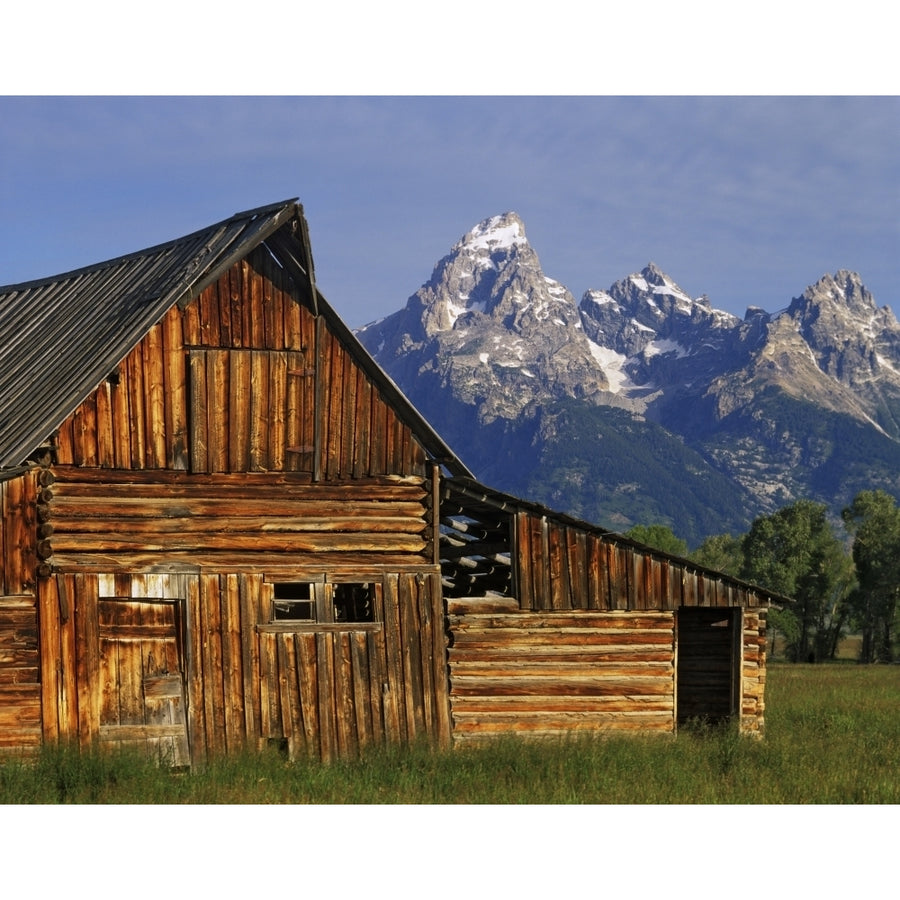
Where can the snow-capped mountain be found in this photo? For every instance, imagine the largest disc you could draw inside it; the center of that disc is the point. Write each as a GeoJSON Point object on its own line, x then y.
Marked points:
{"type": "Point", "coordinates": [515, 374]}
{"type": "Point", "coordinates": [490, 327]}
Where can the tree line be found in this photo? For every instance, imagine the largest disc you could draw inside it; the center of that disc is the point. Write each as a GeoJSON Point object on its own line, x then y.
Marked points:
{"type": "Point", "coordinates": [839, 582]}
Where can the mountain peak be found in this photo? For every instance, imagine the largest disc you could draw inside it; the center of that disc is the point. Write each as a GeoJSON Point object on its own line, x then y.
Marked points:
{"type": "Point", "coordinates": [844, 289]}
{"type": "Point", "coordinates": [495, 233]}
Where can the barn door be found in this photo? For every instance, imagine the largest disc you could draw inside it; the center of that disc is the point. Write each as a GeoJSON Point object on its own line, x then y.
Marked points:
{"type": "Point", "coordinates": [708, 663]}
{"type": "Point", "coordinates": [141, 676]}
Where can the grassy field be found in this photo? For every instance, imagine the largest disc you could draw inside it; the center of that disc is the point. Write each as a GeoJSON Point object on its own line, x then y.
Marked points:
{"type": "Point", "coordinates": [833, 737]}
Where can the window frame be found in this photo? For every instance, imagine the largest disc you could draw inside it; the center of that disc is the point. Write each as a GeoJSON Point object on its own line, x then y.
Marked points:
{"type": "Point", "coordinates": [321, 598]}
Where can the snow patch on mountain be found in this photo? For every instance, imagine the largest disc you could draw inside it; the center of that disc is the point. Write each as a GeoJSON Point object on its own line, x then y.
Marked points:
{"type": "Point", "coordinates": [613, 366]}
{"type": "Point", "coordinates": [496, 233]}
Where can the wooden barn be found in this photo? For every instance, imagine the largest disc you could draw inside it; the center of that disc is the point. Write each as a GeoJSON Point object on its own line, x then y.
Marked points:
{"type": "Point", "coordinates": [223, 526]}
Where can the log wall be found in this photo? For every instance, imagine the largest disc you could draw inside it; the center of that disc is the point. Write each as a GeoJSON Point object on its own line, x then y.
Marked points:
{"type": "Point", "coordinates": [753, 673]}
{"type": "Point", "coordinates": [130, 516]}
{"type": "Point", "coordinates": [550, 673]}
{"type": "Point", "coordinates": [251, 681]}
{"type": "Point", "coordinates": [558, 672]}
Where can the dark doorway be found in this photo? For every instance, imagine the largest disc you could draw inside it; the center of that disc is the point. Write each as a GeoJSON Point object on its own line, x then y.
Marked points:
{"type": "Point", "coordinates": [708, 682]}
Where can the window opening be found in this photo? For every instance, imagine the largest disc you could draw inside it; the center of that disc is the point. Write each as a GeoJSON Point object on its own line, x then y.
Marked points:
{"type": "Point", "coordinates": [323, 603]}
{"type": "Point", "coordinates": [294, 601]}
{"type": "Point", "coordinates": [353, 603]}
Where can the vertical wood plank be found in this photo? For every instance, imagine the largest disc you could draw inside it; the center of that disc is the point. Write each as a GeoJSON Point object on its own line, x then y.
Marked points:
{"type": "Point", "coordinates": [618, 577]}
{"type": "Point", "coordinates": [267, 672]}
{"type": "Point", "coordinates": [211, 333]}
{"type": "Point", "coordinates": [393, 658]}
{"type": "Point", "coordinates": [377, 681]}
{"type": "Point", "coordinates": [84, 432]}
{"type": "Point", "coordinates": [120, 418]}
{"type": "Point", "coordinates": [260, 401]}
{"type": "Point", "coordinates": [229, 311]}
{"type": "Point", "coordinates": [199, 412]}
{"type": "Point", "coordinates": [48, 639]}
{"type": "Point", "coordinates": [249, 604]}
{"type": "Point", "coordinates": [155, 404]}
{"type": "Point", "coordinates": [319, 413]}
{"type": "Point", "coordinates": [522, 561]}
{"type": "Point", "coordinates": [293, 416]}
{"type": "Point", "coordinates": [191, 324]}
{"type": "Point", "coordinates": [87, 631]}
{"type": "Point", "coordinates": [308, 679]}
{"type": "Point", "coordinates": [376, 442]}
{"type": "Point", "coordinates": [214, 689]}
{"type": "Point", "coordinates": [65, 443]}
{"type": "Point", "coordinates": [218, 378]}
{"type": "Point", "coordinates": [106, 449]}
{"type": "Point", "coordinates": [195, 645]}
{"type": "Point", "coordinates": [176, 390]}
{"type": "Point", "coordinates": [334, 400]}
{"type": "Point", "coordinates": [293, 328]}
{"type": "Point", "coordinates": [251, 290]}
{"type": "Point", "coordinates": [230, 299]}
{"type": "Point", "coordinates": [348, 425]}
{"type": "Point", "coordinates": [347, 743]}
{"type": "Point", "coordinates": [277, 411]}
{"type": "Point", "coordinates": [240, 386]}
{"type": "Point", "coordinates": [137, 416]}
{"type": "Point", "coordinates": [427, 625]}
{"type": "Point", "coordinates": [232, 658]}
{"type": "Point", "coordinates": [362, 688]}
{"type": "Point", "coordinates": [361, 461]}
{"type": "Point", "coordinates": [325, 667]}
{"type": "Point", "coordinates": [284, 688]}
{"type": "Point", "coordinates": [411, 656]}
{"type": "Point", "coordinates": [68, 687]}
{"type": "Point", "coordinates": [438, 658]}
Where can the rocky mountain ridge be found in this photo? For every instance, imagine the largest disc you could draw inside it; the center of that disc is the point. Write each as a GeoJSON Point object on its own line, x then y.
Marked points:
{"type": "Point", "coordinates": [492, 351]}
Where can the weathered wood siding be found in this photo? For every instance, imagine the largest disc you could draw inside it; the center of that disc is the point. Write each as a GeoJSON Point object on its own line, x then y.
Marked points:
{"type": "Point", "coordinates": [244, 379]}
{"type": "Point", "coordinates": [20, 698]}
{"type": "Point", "coordinates": [240, 444]}
{"type": "Point", "coordinates": [20, 690]}
{"type": "Point", "coordinates": [19, 531]}
{"type": "Point", "coordinates": [559, 566]}
{"type": "Point", "coordinates": [249, 680]}
{"type": "Point", "coordinates": [590, 636]}
{"type": "Point", "coordinates": [554, 672]}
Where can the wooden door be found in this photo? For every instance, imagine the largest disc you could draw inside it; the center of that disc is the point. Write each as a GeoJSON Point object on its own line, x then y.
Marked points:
{"type": "Point", "coordinates": [141, 677]}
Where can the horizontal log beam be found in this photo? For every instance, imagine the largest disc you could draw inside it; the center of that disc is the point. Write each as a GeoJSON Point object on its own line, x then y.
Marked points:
{"type": "Point", "coordinates": [155, 507]}
{"type": "Point", "coordinates": [248, 525]}
{"type": "Point", "coordinates": [292, 543]}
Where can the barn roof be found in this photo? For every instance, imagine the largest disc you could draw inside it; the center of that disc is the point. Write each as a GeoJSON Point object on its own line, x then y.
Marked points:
{"type": "Point", "coordinates": [61, 336]}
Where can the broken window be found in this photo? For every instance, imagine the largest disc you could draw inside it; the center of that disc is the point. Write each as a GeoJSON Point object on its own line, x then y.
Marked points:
{"type": "Point", "coordinates": [323, 603]}
{"type": "Point", "coordinates": [294, 601]}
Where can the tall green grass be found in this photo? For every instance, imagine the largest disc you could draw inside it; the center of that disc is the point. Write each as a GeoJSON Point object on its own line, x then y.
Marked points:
{"type": "Point", "coordinates": [833, 736]}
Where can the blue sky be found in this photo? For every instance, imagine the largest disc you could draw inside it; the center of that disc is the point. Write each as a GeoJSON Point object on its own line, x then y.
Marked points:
{"type": "Point", "coordinates": [745, 199]}
{"type": "Point", "coordinates": [745, 156]}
